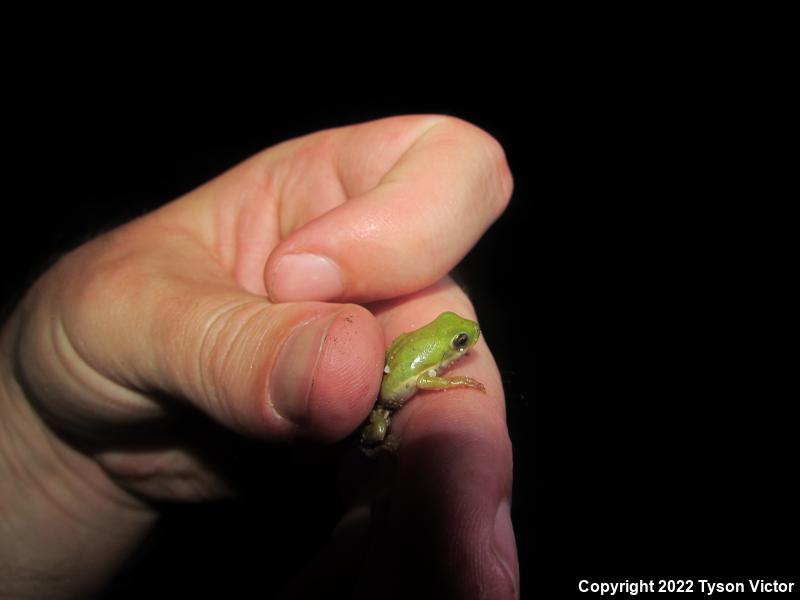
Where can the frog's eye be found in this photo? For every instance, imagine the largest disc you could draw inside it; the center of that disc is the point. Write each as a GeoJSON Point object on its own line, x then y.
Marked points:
{"type": "Point", "coordinates": [461, 341]}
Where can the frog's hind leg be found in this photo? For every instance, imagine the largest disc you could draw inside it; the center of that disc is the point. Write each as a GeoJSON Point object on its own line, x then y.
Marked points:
{"type": "Point", "coordinates": [374, 432]}
{"type": "Point", "coordinates": [375, 436]}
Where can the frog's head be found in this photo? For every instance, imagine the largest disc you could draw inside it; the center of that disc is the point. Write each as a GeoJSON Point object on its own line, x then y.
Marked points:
{"type": "Point", "coordinates": [458, 333]}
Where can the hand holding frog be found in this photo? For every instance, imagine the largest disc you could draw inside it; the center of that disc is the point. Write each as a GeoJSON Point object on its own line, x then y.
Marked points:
{"type": "Point", "coordinates": [232, 301]}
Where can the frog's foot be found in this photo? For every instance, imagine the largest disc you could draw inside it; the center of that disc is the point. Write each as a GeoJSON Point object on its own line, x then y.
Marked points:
{"type": "Point", "coordinates": [390, 445]}
{"type": "Point", "coordinates": [374, 433]}
{"type": "Point", "coordinates": [432, 382]}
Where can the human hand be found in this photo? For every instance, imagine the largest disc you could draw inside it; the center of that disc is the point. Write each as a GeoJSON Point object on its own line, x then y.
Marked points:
{"type": "Point", "coordinates": [231, 301]}
{"type": "Point", "coordinates": [433, 521]}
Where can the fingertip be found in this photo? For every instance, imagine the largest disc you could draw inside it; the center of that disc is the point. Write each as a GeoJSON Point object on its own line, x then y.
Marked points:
{"type": "Point", "coordinates": [348, 374]}
{"type": "Point", "coordinates": [450, 511]}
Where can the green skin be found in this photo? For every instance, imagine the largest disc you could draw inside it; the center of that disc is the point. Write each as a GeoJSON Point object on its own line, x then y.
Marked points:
{"type": "Point", "coordinates": [414, 362]}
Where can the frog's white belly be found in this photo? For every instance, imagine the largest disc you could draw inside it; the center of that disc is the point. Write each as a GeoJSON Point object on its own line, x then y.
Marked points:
{"type": "Point", "coordinates": [403, 392]}
{"type": "Point", "coordinates": [409, 387]}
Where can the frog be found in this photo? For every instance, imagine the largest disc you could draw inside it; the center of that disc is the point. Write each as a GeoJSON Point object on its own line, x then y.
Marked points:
{"type": "Point", "coordinates": [415, 361]}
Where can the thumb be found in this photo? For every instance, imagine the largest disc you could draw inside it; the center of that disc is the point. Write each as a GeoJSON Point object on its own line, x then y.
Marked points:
{"type": "Point", "coordinates": [307, 369]}
{"type": "Point", "coordinates": [140, 325]}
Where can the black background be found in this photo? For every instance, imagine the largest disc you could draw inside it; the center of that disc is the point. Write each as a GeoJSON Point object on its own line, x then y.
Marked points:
{"type": "Point", "coordinates": [633, 295]}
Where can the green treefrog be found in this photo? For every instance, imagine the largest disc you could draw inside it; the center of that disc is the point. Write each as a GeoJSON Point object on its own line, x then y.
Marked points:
{"type": "Point", "coordinates": [414, 361]}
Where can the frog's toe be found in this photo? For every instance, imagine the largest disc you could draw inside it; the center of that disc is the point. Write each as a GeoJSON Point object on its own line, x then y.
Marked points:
{"type": "Point", "coordinates": [391, 444]}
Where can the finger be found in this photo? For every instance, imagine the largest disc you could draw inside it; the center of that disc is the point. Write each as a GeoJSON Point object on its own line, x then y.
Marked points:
{"type": "Point", "coordinates": [383, 209]}
{"type": "Point", "coordinates": [334, 571]}
{"type": "Point", "coordinates": [141, 321]}
{"type": "Point", "coordinates": [450, 509]}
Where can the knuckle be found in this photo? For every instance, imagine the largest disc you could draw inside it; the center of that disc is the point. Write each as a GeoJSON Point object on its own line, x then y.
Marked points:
{"type": "Point", "coordinates": [498, 172]}
{"type": "Point", "coordinates": [490, 158]}
{"type": "Point", "coordinates": [502, 171]}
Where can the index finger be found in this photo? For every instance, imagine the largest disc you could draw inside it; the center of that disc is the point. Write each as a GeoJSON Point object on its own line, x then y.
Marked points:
{"type": "Point", "coordinates": [447, 520]}
{"type": "Point", "coordinates": [384, 208]}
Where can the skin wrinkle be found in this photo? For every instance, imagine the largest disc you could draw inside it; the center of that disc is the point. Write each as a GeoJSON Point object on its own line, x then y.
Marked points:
{"type": "Point", "coordinates": [60, 503]}
{"type": "Point", "coordinates": [126, 502]}
{"type": "Point", "coordinates": [73, 364]}
{"type": "Point", "coordinates": [257, 350]}
{"type": "Point", "coordinates": [209, 348]}
{"type": "Point", "coordinates": [120, 394]}
{"type": "Point", "coordinates": [238, 234]}
{"type": "Point", "coordinates": [337, 175]}
{"type": "Point", "coordinates": [163, 265]}
{"type": "Point", "coordinates": [14, 407]}
{"type": "Point", "coordinates": [173, 231]}
{"type": "Point", "coordinates": [15, 463]}
{"type": "Point", "coordinates": [207, 325]}
{"type": "Point", "coordinates": [261, 381]}
{"type": "Point", "coordinates": [501, 564]}
{"type": "Point", "coordinates": [422, 137]}
{"type": "Point", "coordinates": [24, 471]}
{"type": "Point", "coordinates": [387, 170]}
{"type": "Point", "coordinates": [214, 326]}
{"type": "Point", "coordinates": [280, 211]}
{"type": "Point", "coordinates": [56, 451]}
{"type": "Point", "coordinates": [226, 245]}
{"type": "Point", "coordinates": [291, 176]}
{"type": "Point", "coordinates": [242, 328]}
{"type": "Point", "coordinates": [174, 471]}
{"type": "Point", "coordinates": [264, 196]}
{"type": "Point", "coordinates": [473, 526]}
{"type": "Point", "coordinates": [230, 240]}
{"type": "Point", "coordinates": [312, 198]}
{"type": "Point", "coordinates": [326, 150]}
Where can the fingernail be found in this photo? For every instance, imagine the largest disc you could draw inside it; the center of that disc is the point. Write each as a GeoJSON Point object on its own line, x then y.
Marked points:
{"type": "Point", "coordinates": [505, 546]}
{"type": "Point", "coordinates": [295, 369]}
{"type": "Point", "coordinates": [305, 277]}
